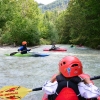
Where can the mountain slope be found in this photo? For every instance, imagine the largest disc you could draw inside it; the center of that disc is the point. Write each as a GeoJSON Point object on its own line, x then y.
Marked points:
{"type": "Point", "coordinates": [58, 5]}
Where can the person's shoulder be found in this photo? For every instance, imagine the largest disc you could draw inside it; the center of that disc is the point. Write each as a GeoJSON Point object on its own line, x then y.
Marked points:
{"type": "Point", "coordinates": [20, 47]}
{"type": "Point", "coordinates": [76, 79]}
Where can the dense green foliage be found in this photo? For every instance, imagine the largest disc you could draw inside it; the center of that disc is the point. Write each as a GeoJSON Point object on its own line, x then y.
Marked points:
{"type": "Point", "coordinates": [23, 20]}
{"type": "Point", "coordinates": [80, 23]}
{"type": "Point", "coordinates": [19, 21]}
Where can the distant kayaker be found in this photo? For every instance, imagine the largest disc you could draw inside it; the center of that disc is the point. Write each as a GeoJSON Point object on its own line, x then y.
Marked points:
{"type": "Point", "coordinates": [23, 49]}
{"type": "Point", "coordinates": [80, 45]}
{"type": "Point", "coordinates": [53, 47]}
{"type": "Point", "coordinates": [71, 83]}
{"type": "Point", "coordinates": [72, 46]}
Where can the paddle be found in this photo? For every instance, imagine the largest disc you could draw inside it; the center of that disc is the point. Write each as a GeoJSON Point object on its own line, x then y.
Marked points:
{"type": "Point", "coordinates": [95, 77]}
{"type": "Point", "coordinates": [18, 92]}
{"type": "Point", "coordinates": [15, 92]}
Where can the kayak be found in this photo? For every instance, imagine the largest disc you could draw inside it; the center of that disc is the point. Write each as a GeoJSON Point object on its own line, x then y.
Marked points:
{"type": "Point", "coordinates": [45, 97]}
{"type": "Point", "coordinates": [82, 47]}
{"type": "Point", "coordinates": [58, 49]}
{"type": "Point", "coordinates": [28, 55]}
{"type": "Point", "coordinates": [65, 95]}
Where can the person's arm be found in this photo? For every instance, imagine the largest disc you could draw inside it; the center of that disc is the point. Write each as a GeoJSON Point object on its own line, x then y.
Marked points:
{"type": "Point", "coordinates": [85, 78]}
{"type": "Point", "coordinates": [54, 77]}
{"type": "Point", "coordinates": [50, 86]}
{"type": "Point", "coordinates": [87, 88]}
{"type": "Point", "coordinates": [20, 49]}
{"type": "Point", "coordinates": [28, 49]}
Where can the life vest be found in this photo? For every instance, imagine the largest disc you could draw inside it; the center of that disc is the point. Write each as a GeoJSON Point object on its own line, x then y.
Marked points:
{"type": "Point", "coordinates": [23, 49]}
{"type": "Point", "coordinates": [67, 89]}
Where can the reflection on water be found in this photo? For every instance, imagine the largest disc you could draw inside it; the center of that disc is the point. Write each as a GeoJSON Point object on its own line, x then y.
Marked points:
{"type": "Point", "coordinates": [32, 72]}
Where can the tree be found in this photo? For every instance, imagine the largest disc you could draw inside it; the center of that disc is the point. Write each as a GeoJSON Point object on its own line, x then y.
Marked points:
{"type": "Point", "coordinates": [23, 24]}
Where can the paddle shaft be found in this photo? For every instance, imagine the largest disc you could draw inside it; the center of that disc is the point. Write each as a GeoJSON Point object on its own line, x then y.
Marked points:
{"type": "Point", "coordinates": [37, 89]}
{"type": "Point", "coordinates": [15, 92]}
{"type": "Point", "coordinates": [95, 77]}
{"type": "Point", "coordinates": [92, 78]}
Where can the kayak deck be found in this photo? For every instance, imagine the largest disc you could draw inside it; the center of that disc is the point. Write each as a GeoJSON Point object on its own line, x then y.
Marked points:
{"type": "Point", "coordinates": [28, 55]}
{"type": "Point", "coordinates": [58, 49]}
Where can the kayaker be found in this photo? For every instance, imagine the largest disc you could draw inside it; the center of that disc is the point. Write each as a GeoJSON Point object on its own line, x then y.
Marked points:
{"type": "Point", "coordinates": [69, 82]}
{"type": "Point", "coordinates": [53, 47]}
{"type": "Point", "coordinates": [72, 46]}
{"type": "Point", "coordinates": [23, 49]}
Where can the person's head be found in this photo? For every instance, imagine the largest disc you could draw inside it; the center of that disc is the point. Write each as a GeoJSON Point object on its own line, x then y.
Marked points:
{"type": "Point", "coordinates": [24, 43]}
{"type": "Point", "coordinates": [53, 43]}
{"type": "Point", "coordinates": [70, 66]}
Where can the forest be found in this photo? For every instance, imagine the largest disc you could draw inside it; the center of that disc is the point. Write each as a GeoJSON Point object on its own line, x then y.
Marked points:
{"type": "Point", "coordinates": [78, 23]}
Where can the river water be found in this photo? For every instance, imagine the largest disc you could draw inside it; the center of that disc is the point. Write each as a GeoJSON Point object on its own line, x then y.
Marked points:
{"type": "Point", "coordinates": [32, 72]}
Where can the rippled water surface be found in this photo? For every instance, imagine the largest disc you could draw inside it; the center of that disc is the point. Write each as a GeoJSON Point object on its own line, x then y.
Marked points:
{"type": "Point", "coordinates": [32, 72]}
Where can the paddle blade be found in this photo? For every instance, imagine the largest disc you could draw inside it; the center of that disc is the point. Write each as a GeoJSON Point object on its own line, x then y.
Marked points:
{"type": "Point", "coordinates": [13, 92]}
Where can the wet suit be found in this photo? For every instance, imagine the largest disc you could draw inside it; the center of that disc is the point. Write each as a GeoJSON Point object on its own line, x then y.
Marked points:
{"type": "Point", "coordinates": [53, 47]}
{"type": "Point", "coordinates": [23, 49]}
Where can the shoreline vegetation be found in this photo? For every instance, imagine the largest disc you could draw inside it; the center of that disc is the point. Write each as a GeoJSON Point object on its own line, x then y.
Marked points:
{"type": "Point", "coordinates": [14, 46]}
{"type": "Point", "coordinates": [77, 24]}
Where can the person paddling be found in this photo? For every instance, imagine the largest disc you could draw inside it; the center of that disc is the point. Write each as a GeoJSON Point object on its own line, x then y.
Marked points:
{"type": "Point", "coordinates": [53, 47]}
{"type": "Point", "coordinates": [70, 83]}
{"type": "Point", "coordinates": [23, 49]}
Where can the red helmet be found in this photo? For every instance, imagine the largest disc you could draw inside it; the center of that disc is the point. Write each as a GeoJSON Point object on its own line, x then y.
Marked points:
{"type": "Point", "coordinates": [24, 43]}
{"type": "Point", "coordinates": [70, 66]}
